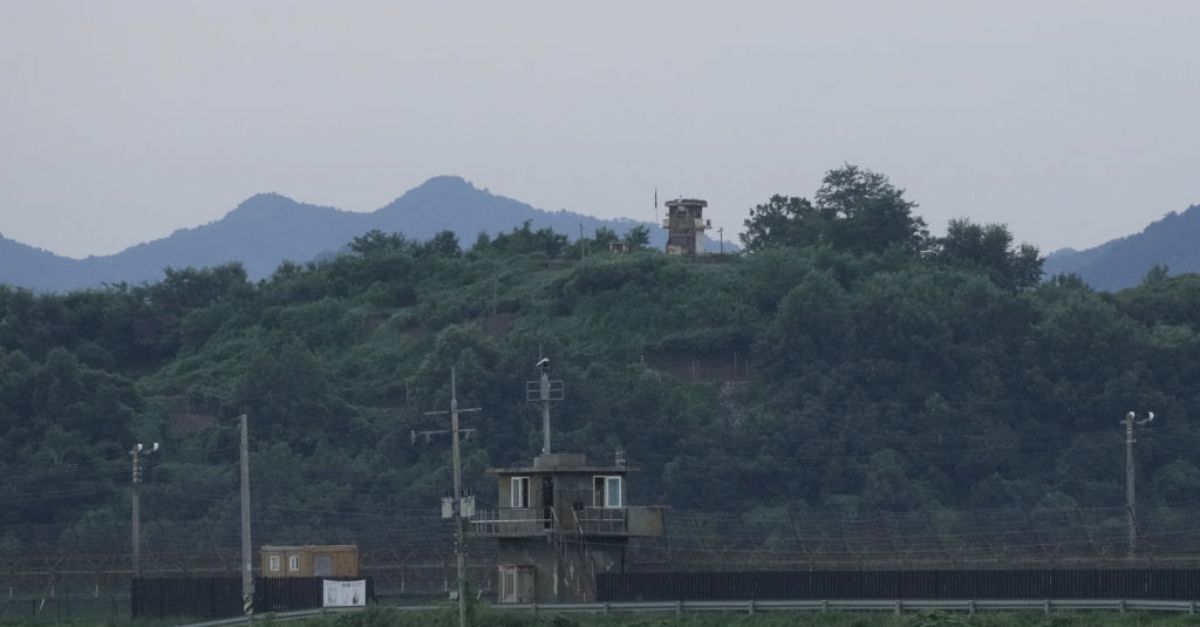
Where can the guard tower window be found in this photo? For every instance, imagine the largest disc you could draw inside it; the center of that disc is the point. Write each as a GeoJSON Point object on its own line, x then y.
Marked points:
{"type": "Point", "coordinates": [293, 563]}
{"type": "Point", "coordinates": [607, 492]}
{"type": "Point", "coordinates": [519, 493]}
{"type": "Point", "coordinates": [274, 563]}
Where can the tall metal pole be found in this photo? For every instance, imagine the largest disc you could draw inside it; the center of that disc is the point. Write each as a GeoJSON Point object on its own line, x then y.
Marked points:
{"type": "Point", "coordinates": [544, 391]}
{"type": "Point", "coordinates": [1130, 496]}
{"type": "Point", "coordinates": [247, 563]}
{"type": "Point", "coordinates": [459, 554]}
{"type": "Point", "coordinates": [135, 480]}
{"type": "Point", "coordinates": [1130, 500]}
{"type": "Point", "coordinates": [545, 388]}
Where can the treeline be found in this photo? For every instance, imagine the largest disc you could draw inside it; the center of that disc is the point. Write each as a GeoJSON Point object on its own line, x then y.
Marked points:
{"type": "Point", "coordinates": [847, 360]}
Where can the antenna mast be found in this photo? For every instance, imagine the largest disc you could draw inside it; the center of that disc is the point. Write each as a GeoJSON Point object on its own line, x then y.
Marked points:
{"type": "Point", "coordinates": [545, 391]}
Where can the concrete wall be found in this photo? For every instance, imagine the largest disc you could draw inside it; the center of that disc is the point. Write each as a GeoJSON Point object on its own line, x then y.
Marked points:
{"type": "Point", "coordinates": [564, 574]}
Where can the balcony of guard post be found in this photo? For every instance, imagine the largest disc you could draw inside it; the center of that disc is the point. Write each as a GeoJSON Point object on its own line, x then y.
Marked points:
{"type": "Point", "coordinates": [562, 494]}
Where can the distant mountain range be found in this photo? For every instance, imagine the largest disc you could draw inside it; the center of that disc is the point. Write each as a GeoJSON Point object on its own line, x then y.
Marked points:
{"type": "Point", "coordinates": [1173, 241]}
{"type": "Point", "coordinates": [268, 229]}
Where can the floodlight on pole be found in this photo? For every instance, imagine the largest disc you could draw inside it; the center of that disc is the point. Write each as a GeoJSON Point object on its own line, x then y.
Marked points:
{"type": "Point", "coordinates": [1131, 420]}
{"type": "Point", "coordinates": [135, 454]}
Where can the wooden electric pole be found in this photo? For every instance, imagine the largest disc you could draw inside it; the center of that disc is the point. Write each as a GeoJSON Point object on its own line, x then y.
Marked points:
{"type": "Point", "coordinates": [459, 519]}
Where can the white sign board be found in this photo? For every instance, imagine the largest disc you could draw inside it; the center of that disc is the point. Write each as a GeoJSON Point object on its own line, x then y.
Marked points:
{"type": "Point", "coordinates": [345, 593]}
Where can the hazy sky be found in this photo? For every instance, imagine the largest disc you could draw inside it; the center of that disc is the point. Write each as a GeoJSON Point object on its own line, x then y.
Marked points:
{"type": "Point", "coordinates": [1073, 122]}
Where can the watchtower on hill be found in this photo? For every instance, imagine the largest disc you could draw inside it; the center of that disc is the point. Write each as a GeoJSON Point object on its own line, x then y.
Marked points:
{"type": "Point", "coordinates": [685, 226]}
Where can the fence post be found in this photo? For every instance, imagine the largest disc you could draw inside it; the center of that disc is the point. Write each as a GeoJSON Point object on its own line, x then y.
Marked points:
{"type": "Point", "coordinates": [751, 607]}
{"type": "Point", "coordinates": [678, 608]}
{"type": "Point", "coordinates": [1046, 607]}
{"type": "Point", "coordinates": [896, 607]}
{"type": "Point", "coordinates": [971, 606]}
{"type": "Point", "coordinates": [1121, 607]}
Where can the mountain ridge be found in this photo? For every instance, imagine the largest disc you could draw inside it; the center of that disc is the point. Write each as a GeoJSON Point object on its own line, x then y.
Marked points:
{"type": "Point", "coordinates": [269, 228]}
{"type": "Point", "coordinates": [1172, 241]}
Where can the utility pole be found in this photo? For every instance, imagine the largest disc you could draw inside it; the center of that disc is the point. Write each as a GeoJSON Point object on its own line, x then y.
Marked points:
{"type": "Point", "coordinates": [459, 520]}
{"type": "Point", "coordinates": [1130, 501]}
{"type": "Point", "coordinates": [544, 391]}
{"type": "Point", "coordinates": [247, 563]}
{"type": "Point", "coordinates": [135, 503]}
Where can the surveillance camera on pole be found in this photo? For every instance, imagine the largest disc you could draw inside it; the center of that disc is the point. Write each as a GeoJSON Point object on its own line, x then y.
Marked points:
{"type": "Point", "coordinates": [544, 391]}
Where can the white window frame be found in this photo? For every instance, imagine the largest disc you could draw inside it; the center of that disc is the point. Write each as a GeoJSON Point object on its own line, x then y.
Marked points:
{"type": "Point", "coordinates": [518, 493]}
{"type": "Point", "coordinates": [604, 499]}
{"type": "Point", "coordinates": [293, 563]}
{"type": "Point", "coordinates": [275, 563]}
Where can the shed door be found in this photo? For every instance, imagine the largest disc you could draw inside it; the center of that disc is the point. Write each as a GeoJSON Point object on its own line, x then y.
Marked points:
{"type": "Point", "coordinates": [323, 565]}
{"type": "Point", "coordinates": [508, 584]}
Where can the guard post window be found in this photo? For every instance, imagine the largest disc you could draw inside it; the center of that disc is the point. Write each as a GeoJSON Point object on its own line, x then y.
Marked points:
{"type": "Point", "coordinates": [274, 563]}
{"type": "Point", "coordinates": [607, 492]}
{"type": "Point", "coordinates": [519, 493]}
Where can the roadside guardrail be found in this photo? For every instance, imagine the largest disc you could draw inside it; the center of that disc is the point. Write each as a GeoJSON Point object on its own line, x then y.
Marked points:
{"type": "Point", "coordinates": [896, 606]}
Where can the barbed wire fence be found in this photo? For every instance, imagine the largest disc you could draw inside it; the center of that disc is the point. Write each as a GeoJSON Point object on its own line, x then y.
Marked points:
{"type": "Point", "coordinates": [410, 555]}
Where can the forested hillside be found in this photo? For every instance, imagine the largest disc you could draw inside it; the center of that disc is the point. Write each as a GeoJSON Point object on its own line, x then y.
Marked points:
{"type": "Point", "coordinates": [846, 361]}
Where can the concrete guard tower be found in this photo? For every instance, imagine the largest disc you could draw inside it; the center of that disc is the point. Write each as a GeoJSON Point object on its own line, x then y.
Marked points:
{"type": "Point", "coordinates": [561, 521]}
{"type": "Point", "coordinates": [685, 226]}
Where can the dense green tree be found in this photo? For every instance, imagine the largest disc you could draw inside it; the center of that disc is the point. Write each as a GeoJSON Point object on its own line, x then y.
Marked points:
{"type": "Point", "coordinates": [854, 210]}
{"type": "Point", "coordinates": [990, 248]}
{"type": "Point", "coordinates": [866, 213]}
{"type": "Point", "coordinates": [637, 238]}
{"type": "Point", "coordinates": [784, 222]}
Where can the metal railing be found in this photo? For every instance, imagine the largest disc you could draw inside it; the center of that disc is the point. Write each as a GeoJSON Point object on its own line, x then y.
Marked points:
{"type": "Point", "coordinates": [895, 606]}
{"type": "Point", "coordinates": [601, 520]}
{"type": "Point", "coordinates": [510, 521]}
